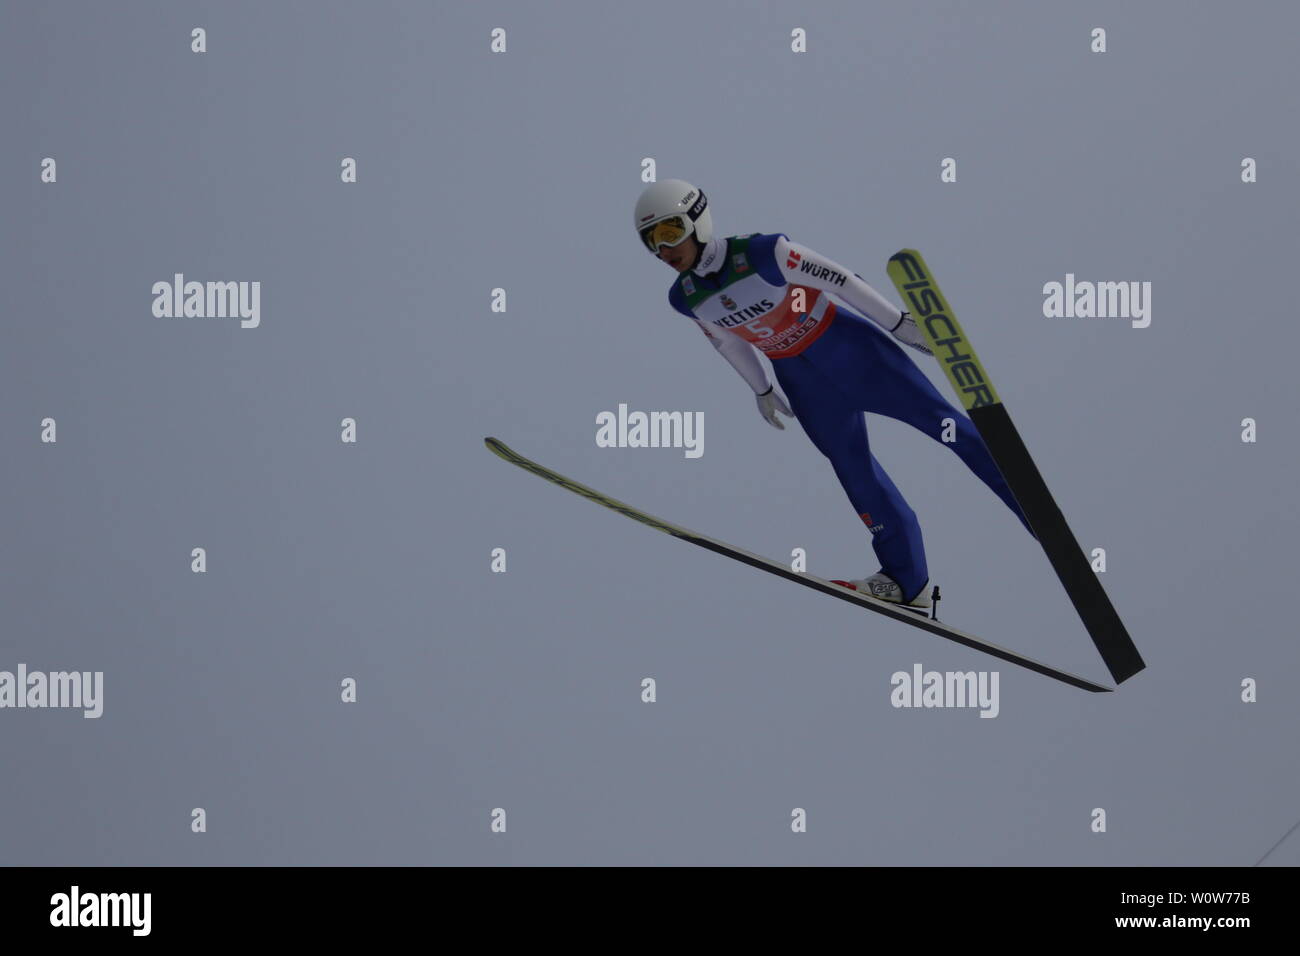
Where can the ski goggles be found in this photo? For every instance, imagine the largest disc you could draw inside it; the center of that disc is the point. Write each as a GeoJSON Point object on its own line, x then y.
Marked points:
{"type": "Point", "coordinates": [666, 232]}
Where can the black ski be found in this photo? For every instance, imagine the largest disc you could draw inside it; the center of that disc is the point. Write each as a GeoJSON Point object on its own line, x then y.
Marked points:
{"type": "Point", "coordinates": [773, 567]}
{"type": "Point", "coordinates": [915, 284]}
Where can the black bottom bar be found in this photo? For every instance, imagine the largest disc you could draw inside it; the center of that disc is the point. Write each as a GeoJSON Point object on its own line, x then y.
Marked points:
{"type": "Point", "coordinates": [981, 908]}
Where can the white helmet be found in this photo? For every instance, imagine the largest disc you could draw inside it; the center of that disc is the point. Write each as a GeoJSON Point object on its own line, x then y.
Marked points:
{"type": "Point", "coordinates": [669, 211]}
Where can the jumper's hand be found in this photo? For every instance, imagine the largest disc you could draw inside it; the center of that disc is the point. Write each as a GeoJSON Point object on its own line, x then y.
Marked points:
{"type": "Point", "coordinates": [907, 333]}
{"type": "Point", "coordinates": [769, 403]}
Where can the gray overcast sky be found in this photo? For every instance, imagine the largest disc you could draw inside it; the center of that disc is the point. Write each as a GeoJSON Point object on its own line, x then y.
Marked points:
{"type": "Point", "coordinates": [522, 690]}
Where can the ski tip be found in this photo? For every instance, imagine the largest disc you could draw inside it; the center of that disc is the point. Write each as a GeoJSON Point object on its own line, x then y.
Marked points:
{"type": "Point", "coordinates": [906, 267]}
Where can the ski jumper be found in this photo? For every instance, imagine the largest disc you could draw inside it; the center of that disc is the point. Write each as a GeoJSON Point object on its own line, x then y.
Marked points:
{"type": "Point", "coordinates": [809, 316]}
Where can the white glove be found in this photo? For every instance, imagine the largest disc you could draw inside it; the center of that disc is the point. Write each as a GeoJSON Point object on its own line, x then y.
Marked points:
{"type": "Point", "coordinates": [769, 403]}
{"type": "Point", "coordinates": [907, 333]}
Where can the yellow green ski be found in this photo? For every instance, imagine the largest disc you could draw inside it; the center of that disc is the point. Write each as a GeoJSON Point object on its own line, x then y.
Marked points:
{"type": "Point", "coordinates": [921, 296]}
